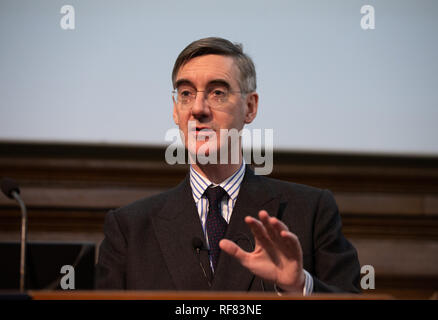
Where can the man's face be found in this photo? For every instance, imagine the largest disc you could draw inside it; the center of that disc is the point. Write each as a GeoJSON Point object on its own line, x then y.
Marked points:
{"type": "Point", "coordinates": [202, 74]}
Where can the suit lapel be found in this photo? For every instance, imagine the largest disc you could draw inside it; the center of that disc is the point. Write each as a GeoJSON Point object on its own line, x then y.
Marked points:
{"type": "Point", "coordinates": [175, 226]}
{"type": "Point", "coordinates": [178, 223]}
{"type": "Point", "coordinates": [254, 195]}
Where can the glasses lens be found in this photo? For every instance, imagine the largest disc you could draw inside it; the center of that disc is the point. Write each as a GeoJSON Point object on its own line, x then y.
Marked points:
{"type": "Point", "coordinates": [185, 95]}
{"type": "Point", "coordinates": [216, 96]}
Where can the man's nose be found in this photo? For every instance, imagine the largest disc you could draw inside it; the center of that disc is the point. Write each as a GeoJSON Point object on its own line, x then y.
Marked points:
{"type": "Point", "coordinates": [200, 106]}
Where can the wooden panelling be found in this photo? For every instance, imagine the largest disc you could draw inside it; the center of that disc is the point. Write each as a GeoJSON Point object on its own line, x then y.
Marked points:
{"type": "Point", "coordinates": [430, 204]}
{"type": "Point", "coordinates": [389, 204]}
{"type": "Point", "coordinates": [390, 226]}
{"type": "Point", "coordinates": [386, 203]}
{"type": "Point", "coordinates": [86, 197]}
{"type": "Point", "coordinates": [399, 257]}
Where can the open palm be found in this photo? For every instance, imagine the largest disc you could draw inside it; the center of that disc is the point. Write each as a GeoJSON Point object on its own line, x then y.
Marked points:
{"type": "Point", "coordinates": [277, 256]}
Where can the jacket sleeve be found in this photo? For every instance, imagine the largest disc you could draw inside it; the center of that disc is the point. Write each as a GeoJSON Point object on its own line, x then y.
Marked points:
{"type": "Point", "coordinates": [336, 262]}
{"type": "Point", "coordinates": [110, 268]}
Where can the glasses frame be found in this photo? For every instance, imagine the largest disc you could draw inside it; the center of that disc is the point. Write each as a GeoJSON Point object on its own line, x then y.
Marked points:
{"type": "Point", "coordinates": [175, 98]}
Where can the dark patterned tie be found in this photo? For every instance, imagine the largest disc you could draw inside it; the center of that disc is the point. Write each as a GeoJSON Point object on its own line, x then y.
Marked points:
{"type": "Point", "coordinates": [216, 224]}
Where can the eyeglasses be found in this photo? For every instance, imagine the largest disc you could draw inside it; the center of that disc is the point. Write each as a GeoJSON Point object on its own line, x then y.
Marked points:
{"type": "Point", "coordinates": [216, 96]}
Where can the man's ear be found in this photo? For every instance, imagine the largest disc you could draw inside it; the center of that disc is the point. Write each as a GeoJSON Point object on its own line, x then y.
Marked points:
{"type": "Point", "coordinates": [175, 114]}
{"type": "Point", "coordinates": [252, 104]}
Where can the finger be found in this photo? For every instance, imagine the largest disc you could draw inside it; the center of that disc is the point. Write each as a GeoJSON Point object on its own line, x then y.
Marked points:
{"type": "Point", "coordinates": [286, 241]}
{"type": "Point", "coordinates": [234, 250]}
{"type": "Point", "coordinates": [274, 228]}
{"type": "Point", "coordinates": [268, 222]}
{"type": "Point", "coordinates": [292, 244]}
{"type": "Point", "coordinates": [262, 238]}
{"type": "Point", "coordinates": [259, 231]}
{"type": "Point", "coordinates": [280, 225]}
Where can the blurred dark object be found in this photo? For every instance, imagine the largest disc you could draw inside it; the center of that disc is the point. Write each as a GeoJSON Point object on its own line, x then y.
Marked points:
{"type": "Point", "coordinates": [8, 186]}
{"type": "Point", "coordinates": [44, 263]}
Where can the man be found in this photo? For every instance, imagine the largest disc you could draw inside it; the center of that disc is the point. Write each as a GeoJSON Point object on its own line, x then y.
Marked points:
{"type": "Point", "coordinates": [223, 227]}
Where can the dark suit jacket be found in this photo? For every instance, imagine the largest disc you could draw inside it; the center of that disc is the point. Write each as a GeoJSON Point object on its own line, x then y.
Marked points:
{"type": "Point", "coordinates": [148, 244]}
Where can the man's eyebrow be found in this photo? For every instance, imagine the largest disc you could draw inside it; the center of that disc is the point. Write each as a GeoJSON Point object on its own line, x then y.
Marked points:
{"type": "Point", "coordinates": [221, 82]}
{"type": "Point", "coordinates": [183, 81]}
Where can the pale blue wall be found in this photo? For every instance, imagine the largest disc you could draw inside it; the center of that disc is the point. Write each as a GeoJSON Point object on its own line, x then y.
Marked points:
{"type": "Point", "coordinates": [324, 83]}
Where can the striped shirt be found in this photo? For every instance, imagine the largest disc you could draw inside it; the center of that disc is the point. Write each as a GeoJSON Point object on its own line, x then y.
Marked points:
{"type": "Point", "coordinates": [232, 186]}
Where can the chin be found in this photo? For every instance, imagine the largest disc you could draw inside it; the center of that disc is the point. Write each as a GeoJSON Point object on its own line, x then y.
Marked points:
{"type": "Point", "coordinates": [203, 149]}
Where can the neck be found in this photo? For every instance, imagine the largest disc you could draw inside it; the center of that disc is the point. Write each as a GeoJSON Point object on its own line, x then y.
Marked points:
{"type": "Point", "coordinates": [217, 173]}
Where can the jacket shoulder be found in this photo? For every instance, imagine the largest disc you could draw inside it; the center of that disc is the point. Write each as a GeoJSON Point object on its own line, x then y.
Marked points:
{"type": "Point", "coordinates": [290, 190]}
{"type": "Point", "coordinates": [143, 208]}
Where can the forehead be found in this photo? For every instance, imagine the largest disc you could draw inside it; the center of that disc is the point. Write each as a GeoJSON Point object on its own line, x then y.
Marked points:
{"type": "Point", "coordinates": [201, 70]}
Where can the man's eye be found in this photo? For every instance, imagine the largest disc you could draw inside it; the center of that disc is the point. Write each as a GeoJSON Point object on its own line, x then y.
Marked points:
{"type": "Point", "coordinates": [218, 93]}
{"type": "Point", "coordinates": [185, 93]}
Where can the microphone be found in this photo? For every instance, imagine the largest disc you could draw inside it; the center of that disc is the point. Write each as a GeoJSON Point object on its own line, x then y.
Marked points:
{"type": "Point", "coordinates": [198, 245]}
{"type": "Point", "coordinates": [11, 190]}
{"type": "Point", "coordinates": [9, 186]}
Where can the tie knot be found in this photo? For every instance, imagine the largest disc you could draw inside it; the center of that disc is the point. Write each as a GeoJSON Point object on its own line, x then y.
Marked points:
{"type": "Point", "coordinates": [214, 195]}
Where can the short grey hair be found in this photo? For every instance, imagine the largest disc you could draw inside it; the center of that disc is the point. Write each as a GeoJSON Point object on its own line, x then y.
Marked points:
{"type": "Point", "coordinates": [220, 46]}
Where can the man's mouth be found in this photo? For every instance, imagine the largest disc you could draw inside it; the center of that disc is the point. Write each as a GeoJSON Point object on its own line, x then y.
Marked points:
{"type": "Point", "coordinates": [203, 129]}
{"type": "Point", "coordinates": [203, 132]}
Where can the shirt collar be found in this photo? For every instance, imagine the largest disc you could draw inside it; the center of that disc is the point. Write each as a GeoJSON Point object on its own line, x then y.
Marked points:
{"type": "Point", "coordinates": [231, 185]}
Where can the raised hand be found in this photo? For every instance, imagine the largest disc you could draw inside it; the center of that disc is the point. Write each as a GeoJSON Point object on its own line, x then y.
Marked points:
{"type": "Point", "coordinates": [277, 256]}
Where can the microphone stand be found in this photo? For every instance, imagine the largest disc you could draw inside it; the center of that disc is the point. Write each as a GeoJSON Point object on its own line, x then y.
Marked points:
{"type": "Point", "coordinates": [23, 240]}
